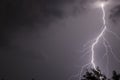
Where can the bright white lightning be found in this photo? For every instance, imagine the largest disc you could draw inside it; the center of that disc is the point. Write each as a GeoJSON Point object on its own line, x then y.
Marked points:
{"type": "Point", "coordinates": [92, 44]}
{"type": "Point", "coordinates": [99, 36]}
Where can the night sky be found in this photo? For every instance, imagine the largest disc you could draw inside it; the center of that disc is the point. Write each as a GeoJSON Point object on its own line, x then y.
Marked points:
{"type": "Point", "coordinates": [43, 39]}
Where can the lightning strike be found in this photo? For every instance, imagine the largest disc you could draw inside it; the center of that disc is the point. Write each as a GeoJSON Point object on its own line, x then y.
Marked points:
{"type": "Point", "coordinates": [93, 43]}
{"type": "Point", "coordinates": [99, 36]}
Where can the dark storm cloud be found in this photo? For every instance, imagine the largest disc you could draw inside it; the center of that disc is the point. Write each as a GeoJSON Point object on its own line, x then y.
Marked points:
{"type": "Point", "coordinates": [15, 14]}
{"type": "Point", "coordinates": [26, 11]}
{"type": "Point", "coordinates": [33, 45]}
{"type": "Point", "coordinates": [115, 13]}
{"type": "Point", "coordinates": [20, 47]}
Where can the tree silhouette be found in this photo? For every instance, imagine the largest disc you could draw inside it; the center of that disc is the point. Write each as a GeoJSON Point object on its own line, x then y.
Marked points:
{"type": "Point", "coordinates": [115, 76]}
{"type": "Point", "coordinates": [91, 74]}
{"type": "Point", "coordinates": [97, 75]}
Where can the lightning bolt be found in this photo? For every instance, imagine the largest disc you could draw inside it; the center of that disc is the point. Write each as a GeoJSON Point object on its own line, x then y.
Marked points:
{"type": "Point", "coordinates": [92, 44]}
{"type": "Point", "coordinates": [106, 43]}
{"type": "Point", "coordinates": [98, 38]}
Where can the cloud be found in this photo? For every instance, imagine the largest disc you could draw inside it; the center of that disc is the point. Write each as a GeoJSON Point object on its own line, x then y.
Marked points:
{"type": "Point", "coordinates": [115, 13]}
{"type": "Point", "coordinates": [17, 14]}
{"type": "Point", "coordinates": [26, 11]}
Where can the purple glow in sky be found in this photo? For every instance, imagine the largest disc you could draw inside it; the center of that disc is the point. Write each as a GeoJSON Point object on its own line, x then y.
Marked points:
{"type": "Point", "coordinates": [44, 38]}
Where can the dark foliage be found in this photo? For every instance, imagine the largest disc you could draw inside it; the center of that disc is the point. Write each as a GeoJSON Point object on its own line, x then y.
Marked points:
{"type": "Point", "coordinates": [97, 75]}
{"type": "Point", "coordinates": [92, 75]}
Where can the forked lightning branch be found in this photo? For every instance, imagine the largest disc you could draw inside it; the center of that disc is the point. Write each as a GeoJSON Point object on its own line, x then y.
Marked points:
{"type": "Point", "coordinates": [102, 5]}
{"type": "Point", "coordinates": [92, 44]}
{"type": "Point", "coordinates": [108, 49]}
